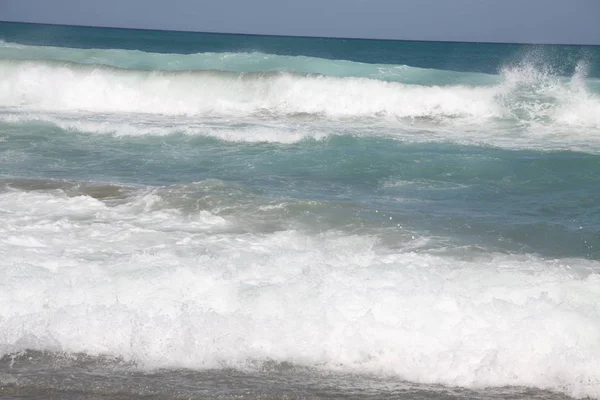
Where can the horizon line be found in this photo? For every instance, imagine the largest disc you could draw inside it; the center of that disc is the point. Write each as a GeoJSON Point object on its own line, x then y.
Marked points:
{"type": "Point", "coordinates": [299, 36]}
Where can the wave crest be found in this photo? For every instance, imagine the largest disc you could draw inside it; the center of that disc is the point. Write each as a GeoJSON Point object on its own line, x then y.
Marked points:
{"type": "Point", "coordinates": [524, 95]}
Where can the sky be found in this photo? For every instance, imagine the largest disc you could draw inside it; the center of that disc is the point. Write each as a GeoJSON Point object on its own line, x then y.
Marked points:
{"type": "Point", "coordinates": [514, 21]}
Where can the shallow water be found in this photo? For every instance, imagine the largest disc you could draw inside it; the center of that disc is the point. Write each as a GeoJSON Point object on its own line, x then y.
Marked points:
{"type": "Point", "coordinates": [37, 375]}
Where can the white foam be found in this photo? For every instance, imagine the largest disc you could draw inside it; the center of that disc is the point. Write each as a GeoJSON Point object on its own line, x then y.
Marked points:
{"type": "Point", "coordinates": [534, 99]}
{"type": "Point", "coordinates": [52, 87]}
{"type": "Point", "coordinates": [539, 97]}
{"type": "Point", "coordinates": [167, 288]}
{"type": "Point", "coordinates": [249, 130]}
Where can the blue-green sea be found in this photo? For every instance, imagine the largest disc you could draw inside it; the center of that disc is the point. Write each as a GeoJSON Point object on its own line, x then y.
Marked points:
{"type": "Point", "coordinates": [194, 215]}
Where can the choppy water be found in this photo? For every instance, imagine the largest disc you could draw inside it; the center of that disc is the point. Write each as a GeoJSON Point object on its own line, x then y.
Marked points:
{"type": "Point", "coordinates": [200, 215]}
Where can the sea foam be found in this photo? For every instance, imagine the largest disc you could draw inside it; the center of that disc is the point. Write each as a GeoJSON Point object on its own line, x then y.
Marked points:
{"type": "Point", "coordinates": [66, 87]}
{"type": "Point", "coordinates": [136, 278]}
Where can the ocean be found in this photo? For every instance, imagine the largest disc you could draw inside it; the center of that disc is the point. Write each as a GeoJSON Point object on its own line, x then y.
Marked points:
{"type": "Point", "coordinates": [194, 215]}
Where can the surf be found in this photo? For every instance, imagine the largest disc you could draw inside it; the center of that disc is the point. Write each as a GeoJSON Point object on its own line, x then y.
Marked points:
{"type": "Point", "coordinates": [190, 207]}
{"type": "Point", "coordinates": [68, 87]}
{"type": "Point", "coordinates": [217, 297]}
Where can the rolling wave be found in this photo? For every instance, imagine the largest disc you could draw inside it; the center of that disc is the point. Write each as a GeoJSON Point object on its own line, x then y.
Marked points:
{"type": "Point", "coordinates": [524, 95]}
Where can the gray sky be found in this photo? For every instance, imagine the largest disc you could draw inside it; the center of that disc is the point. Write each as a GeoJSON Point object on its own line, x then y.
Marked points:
{"type": "Point", "coordinates": [530, 21]}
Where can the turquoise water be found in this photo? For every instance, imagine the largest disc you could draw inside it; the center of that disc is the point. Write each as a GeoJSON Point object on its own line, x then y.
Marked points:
{"type": "Point", "coordinates": [420, 212]}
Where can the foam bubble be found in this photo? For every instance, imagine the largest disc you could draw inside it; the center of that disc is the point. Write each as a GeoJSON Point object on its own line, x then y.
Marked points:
{"type": "Point", "coordinates": [152, 284]}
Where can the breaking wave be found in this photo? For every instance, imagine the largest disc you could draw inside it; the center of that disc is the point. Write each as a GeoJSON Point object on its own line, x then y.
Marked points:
{"type": "Point", "coordinates": [123, 273]}
{"type": "Point", "coordinates": [523, 96]}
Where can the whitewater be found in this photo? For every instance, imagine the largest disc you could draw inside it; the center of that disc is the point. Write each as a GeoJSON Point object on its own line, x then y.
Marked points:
{"type": "Point", "coordinates": [192, 215]}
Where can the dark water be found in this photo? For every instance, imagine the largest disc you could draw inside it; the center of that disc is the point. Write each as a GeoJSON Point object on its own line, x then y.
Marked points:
{"type": "Point", "coordinates": [471, 57]}
{"type": "Point", "coordinates": [36, 375]}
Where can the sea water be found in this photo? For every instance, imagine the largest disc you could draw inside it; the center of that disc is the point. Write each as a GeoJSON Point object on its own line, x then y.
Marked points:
{"type": "Point", "coordinates": [229, 216]}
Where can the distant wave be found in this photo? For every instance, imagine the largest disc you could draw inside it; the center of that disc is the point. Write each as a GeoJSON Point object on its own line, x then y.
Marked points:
{"type": "Point", "coordinates": [239, 62]}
